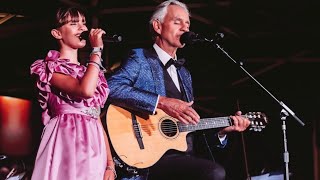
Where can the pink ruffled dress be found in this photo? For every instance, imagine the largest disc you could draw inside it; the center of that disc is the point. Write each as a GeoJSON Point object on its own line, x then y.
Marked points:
{"type": "Point", "coordinates": [72, 145]}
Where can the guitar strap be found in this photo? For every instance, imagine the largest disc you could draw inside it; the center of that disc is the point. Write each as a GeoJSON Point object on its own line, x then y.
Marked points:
{"type": "Point", "coordinates": [137, 131]}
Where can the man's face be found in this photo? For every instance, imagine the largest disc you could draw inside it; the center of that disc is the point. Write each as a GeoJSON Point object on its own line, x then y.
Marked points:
{"type": "Point", "coordinates": [175, 23]}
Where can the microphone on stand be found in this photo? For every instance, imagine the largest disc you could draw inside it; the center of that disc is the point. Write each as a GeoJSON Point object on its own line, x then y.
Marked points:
{"type": "Point", "coordinates": [191, 38]}
{"type": "Point", "coordinates": [109, 39]}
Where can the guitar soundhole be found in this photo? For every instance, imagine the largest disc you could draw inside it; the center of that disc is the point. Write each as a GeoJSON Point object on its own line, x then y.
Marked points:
{"type": "Point", "coordinates": [169, 128]}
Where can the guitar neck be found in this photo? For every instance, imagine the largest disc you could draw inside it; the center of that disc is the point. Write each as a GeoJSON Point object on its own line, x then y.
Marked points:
{"type": "Point", "coordinates": [206, 123]}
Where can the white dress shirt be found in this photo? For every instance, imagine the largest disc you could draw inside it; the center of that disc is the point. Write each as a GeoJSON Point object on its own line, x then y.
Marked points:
{"type": "Point", "coordinates": [164, 58]}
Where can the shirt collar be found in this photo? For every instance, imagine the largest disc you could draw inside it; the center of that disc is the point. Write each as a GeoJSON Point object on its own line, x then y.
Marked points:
{"type": "Point", "coordinates": [163, 56]}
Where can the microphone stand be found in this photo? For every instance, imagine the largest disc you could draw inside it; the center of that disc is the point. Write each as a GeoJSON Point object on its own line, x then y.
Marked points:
{"type": "Point", "coordinates": [285, 112]}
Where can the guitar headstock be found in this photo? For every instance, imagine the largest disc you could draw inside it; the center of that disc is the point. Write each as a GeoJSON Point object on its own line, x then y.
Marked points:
{"type": "Point", "coordinates": [258, 120]}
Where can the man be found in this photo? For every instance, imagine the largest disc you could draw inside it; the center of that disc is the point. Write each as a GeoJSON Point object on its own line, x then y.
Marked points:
{"type": "Point", "coordinates": [146, 82]}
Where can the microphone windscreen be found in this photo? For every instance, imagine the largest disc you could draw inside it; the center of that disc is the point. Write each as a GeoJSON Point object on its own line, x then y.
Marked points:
{"type": "Point", "coordinates": [84, 35]}
{"type": "Point", "coordinates": [187, 37]}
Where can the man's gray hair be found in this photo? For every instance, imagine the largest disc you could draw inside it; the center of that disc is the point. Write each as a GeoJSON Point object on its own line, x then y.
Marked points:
{"type": "Point", "coordinates": [161, 12]}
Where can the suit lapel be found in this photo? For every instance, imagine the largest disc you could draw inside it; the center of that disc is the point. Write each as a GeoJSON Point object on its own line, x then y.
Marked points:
{"type": "Point", "coordinates": [157, 71]}
{"type": "Point", "coordinates": [185, 83]}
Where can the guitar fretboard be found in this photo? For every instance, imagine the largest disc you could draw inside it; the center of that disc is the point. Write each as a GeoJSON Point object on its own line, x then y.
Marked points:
{"type": "Point", "coordinates": [206, 123]}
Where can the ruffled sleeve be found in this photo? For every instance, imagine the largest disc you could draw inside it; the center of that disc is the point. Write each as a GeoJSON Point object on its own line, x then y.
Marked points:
{"type": "Point", "coordinates": [44, 69]}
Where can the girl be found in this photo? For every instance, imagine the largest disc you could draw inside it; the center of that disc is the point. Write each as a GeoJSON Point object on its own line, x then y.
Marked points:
{"type": "Point", "coordinates": [74, 145]}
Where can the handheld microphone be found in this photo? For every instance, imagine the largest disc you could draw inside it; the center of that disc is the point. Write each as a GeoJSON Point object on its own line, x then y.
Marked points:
{"type": "Point", "coordinates": [191, 38]}
{"type": "Point", "coordinates": [110, 39]}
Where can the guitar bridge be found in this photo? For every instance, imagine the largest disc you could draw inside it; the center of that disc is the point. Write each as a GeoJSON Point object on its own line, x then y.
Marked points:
{"type": "Point", "coordinates": [137, 132]}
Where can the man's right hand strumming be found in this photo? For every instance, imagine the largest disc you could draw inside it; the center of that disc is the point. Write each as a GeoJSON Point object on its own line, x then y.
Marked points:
{"type": "Point", "coordinates": [179, 109]}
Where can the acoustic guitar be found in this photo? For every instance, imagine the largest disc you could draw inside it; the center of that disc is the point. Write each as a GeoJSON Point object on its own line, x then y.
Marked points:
{"type": "Point", "coordinates": [140, 140]}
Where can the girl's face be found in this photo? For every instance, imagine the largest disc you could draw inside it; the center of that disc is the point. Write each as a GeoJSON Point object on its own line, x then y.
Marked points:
{"type": "Point", "coordinates": [71, 31]}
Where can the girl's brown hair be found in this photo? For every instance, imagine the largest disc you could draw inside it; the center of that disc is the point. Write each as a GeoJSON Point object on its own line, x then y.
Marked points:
{"type": "Point", "coordinates": [64, 12]}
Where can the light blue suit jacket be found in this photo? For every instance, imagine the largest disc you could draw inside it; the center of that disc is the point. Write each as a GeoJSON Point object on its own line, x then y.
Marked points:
{"type": "Point", "coordinates": [139, 81]}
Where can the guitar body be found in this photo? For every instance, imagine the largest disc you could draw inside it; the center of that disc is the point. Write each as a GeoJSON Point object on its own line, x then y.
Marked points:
{"type": "Point", "coordinates": [141, 140]}
{"type": "Point", "coordinates": [155, 141]}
